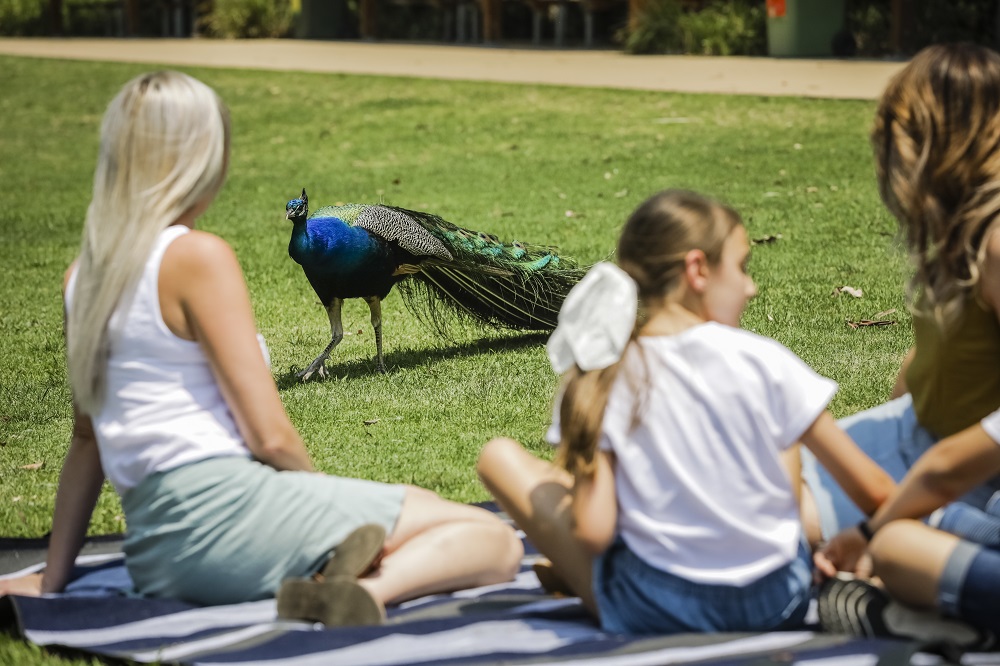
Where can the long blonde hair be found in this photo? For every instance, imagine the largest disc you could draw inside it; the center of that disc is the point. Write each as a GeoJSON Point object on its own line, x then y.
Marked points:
{"type": "Point", "coordinates": [164, 149]}
{"type": "Point", "coordinates": [936, 141]}
{"type": "Point", "coordinates": [651, 249]}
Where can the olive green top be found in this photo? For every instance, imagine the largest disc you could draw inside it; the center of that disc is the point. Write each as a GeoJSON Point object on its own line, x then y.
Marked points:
{"type": "Point", "coordinates": [954, 377]}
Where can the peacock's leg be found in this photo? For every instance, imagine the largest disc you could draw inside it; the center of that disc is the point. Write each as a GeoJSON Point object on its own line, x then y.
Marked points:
{"type": "Point", "coordinates": [318, 366]}
{"type": "Point", "coordinates": [375, 305]}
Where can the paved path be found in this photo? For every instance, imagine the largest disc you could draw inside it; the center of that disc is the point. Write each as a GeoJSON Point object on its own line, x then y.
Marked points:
{"type": "Point", "coordinates": [758, 76]}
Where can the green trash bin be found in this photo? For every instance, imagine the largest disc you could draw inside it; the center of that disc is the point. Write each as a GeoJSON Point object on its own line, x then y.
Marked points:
{"type": "Point", "coordinates": [803, 28]}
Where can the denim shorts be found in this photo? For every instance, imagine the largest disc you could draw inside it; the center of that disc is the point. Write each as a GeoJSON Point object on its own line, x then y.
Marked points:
{"type": "Point", "coordinates": [890, 435]}
{"type": "Point", "coordinates": [636, 598]}
{"type": "Point", "coordinates": [970, 585]}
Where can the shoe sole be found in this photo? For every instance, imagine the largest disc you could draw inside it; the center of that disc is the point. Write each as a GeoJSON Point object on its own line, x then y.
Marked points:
{"type": "Point", "coordinates": [853, 606]}
{"type": "Point", "coordinates": [357, 554]}
{"type": "Point", "coordinates": [339, 602]}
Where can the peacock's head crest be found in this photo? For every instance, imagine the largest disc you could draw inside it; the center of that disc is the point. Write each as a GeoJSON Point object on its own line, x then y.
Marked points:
{"type": "Point", "coordinates": [297, 210]}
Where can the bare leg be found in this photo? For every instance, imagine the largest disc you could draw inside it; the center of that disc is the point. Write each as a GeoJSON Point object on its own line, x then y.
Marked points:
{"type": "Point", "coordinates": [537, 496]}
{"type": "Point", "coordinates": [318, 366]}
{"type": "Point", "coordinates": [375, 305]}
{"type": "Point", "coordinates": [910, 557]}
{"type": "Point", "coordinates": [440, 546]}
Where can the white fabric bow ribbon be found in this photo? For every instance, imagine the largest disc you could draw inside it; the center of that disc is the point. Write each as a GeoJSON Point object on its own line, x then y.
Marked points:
{"type": "Point", "coordinates": [595, 321]}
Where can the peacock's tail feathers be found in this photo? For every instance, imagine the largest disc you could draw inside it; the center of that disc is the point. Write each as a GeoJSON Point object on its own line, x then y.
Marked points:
{"type": "Point", "coordinates": [513, 285]}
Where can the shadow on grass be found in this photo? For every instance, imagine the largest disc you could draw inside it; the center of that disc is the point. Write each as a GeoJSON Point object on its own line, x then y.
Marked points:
{"type": "Point", "coordinates": [412, 358]}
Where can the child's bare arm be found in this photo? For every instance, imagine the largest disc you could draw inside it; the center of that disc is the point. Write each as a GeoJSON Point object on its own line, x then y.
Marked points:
{"type": "Point", "coordinates": [867, 484]}
{"type": "Point", "coordinates": [595, 507]}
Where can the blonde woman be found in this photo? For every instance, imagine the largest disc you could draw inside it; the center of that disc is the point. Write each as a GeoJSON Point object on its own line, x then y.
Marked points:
{"type": "Point", "coordinates": [937, 154]}
{"type": "Point", "coordinates": [175, 405]}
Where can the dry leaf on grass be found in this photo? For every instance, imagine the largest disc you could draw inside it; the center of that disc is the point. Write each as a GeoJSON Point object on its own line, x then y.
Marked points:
{"type": "Point", "coordinates": [33, 466]}
{"type": "Point", "coordinates": [370, 422]}
{"type": "Point", "coordinates": [856, 293]}
{"type": "Point", "coordinates": [874, 321]}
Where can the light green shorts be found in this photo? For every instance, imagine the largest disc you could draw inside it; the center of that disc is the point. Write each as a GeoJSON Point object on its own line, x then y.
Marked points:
{"type": "Point", "coordinates": [229, 530]}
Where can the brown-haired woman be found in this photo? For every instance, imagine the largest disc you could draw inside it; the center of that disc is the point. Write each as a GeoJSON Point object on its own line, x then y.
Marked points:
{"type": "Point", "coordinates": [677, 434]}
{"type": "Point", "coordinates": [937, 154]}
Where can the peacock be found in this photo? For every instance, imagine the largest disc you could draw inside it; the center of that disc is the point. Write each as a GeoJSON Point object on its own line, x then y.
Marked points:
{"type": "Point", "coordinates": [362, 251]}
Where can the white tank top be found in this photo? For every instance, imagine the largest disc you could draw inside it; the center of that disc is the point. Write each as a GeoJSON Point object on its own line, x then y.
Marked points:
{"type": "Point", "coordinates": [163, 407]}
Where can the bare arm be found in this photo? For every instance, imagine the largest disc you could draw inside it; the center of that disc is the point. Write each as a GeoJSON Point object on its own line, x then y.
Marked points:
{"type": "Point", "coordinates": [595, 506]}
{"type": "Point", "coordinates": [900, 388]}
{"type": "Point", "coordinates": [203, 297]}
{"type": "Point", "coordinates": [867, 484]}
{"type": "Point", "coordinates": [951, 468]}
{"type": "Point", "coordinates": [79, 487]}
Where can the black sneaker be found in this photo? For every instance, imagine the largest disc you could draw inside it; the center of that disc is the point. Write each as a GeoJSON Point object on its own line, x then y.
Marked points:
{"type": "Point", "coordinates": [849, 605]}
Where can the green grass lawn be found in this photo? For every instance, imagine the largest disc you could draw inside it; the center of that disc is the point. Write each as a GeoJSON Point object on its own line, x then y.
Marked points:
{"type": "Point", "coordinates": [549, 165]}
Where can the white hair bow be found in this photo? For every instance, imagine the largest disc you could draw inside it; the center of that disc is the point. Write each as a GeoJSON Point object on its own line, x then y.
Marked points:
{"type": "Point", "coordinates": [595, 321]}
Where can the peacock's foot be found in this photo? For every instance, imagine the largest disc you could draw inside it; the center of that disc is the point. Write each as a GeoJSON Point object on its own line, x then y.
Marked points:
{"type": "Point", "coordinates": [317, 367]}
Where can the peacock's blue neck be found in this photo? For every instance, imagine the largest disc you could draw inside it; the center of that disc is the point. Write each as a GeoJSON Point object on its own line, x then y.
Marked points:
{"type": "Point", "coordinates": [339, 259]}
{"type": "Point", "coordinates": [331, 242]}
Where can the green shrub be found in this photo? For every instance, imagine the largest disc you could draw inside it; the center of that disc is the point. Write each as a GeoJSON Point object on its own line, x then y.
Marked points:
{"type": "Point", "coordinates": [656, 29]}
{"type": "Point", "coordinates": [870, 27]}
{"type": "Point", "coordinates": [249, 18]}
{"type": "Point", "coordinates": [19, 18]}
{"type": "Point", "coordinates": [726, 27]}
{"type": "Point", "coordinates": [736, 27]}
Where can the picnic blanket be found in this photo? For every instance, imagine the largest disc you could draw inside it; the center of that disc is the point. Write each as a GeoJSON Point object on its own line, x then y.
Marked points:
{"type": "Point", "coordinates": [511, 623]}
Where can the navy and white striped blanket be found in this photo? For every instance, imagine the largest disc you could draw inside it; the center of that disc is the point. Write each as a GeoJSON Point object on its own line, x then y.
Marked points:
{"type": "Point", "coordinates": [513, 623]}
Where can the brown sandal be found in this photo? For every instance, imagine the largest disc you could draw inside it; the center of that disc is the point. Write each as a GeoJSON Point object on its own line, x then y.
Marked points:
{"type": "Point", "coordinates": [357, 554]}
{"type": "Point", "coordinates": [337, 602]}
{"type": "Point", "coordinates": [550, 580]}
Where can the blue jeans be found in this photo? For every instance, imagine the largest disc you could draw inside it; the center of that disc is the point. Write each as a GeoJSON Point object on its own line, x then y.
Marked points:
{"type": "Point", "coordinates": [636, 598]}
{"type": "Point", "coordinates": [891, 436]}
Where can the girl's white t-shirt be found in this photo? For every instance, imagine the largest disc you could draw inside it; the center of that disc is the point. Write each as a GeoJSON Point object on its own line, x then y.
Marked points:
{"type": "Point", "coordinates": [163, 406]}
{"type": "Point", "coordinates": [697, 421]}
